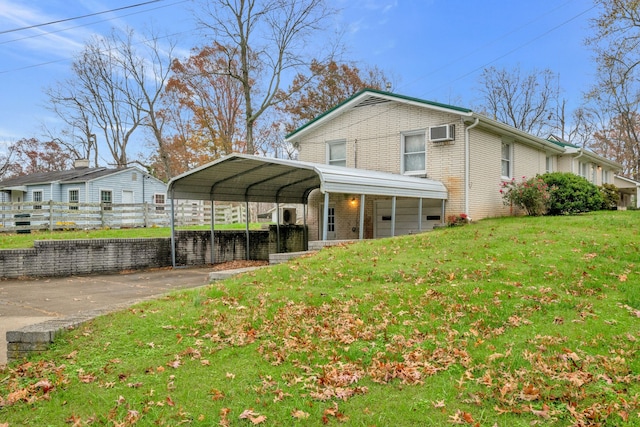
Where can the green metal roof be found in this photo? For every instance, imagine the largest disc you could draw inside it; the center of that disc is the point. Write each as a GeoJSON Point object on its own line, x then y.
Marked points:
{"type": "Point", "coordinates": [386, 95]}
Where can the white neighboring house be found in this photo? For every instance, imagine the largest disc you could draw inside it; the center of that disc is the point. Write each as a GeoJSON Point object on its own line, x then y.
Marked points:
{"type": "Point", "coordinates": [86, 185]}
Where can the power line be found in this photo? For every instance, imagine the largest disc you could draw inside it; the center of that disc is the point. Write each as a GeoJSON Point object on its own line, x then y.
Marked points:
{"type": "Point", "coordinates": [91, 23]}
{"type": "Point", "coordinates": [386, 110]}
{"type": "Point", "coordinates": [78, 17]}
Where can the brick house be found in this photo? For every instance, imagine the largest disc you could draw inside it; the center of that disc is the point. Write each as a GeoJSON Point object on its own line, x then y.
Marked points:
{"type": "Point", "coordinates": [381, 164]}
{"type": "Point", "coordinates": [469, 153]}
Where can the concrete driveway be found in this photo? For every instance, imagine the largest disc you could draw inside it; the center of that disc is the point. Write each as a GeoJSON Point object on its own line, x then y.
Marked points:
{"type": "Point", "coordinates": [27, 302]}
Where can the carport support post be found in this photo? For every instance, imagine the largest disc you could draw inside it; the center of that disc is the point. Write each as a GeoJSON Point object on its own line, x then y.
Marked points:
{"type": "Point", "coordinates": [393, 216]}
{"type": "Point", "coordinates": [173, 232]}
{"type": "Point", "coordinates": [325, 215]}
{"type": "Point", "coordinates": [305, 232]}
{"type": "Point", "coordinates": [361, 231]}
{"type": "Point", "coordinates": [277, 227]}
{"type": "Point", "coordinates": [247, 215]}
{"type": "Point", "coordinates": [213, 225]}
{"type": "Point", "coordinates": [442, 215]}
{"type": "Point", "coordinates": [420, 214]}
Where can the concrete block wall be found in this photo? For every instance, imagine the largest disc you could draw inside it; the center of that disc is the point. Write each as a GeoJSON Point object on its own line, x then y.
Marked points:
{"type": "Point", "coordinates": [193, 247]}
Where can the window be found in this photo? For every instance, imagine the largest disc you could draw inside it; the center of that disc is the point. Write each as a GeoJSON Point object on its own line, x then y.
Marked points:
{"type": "Point", "coordinates": [37, 197]}
{"type": "Point", "coordinates": [158, 200]}
{"type": "Point", "coordinates": [584, 170]}
{"type": "Point", "coordinates": [106, 197]}
{"type": "Point", "coordinates": [414, 155]}
{"type": "Point", "coordinates": [506, 160]}
{"type": "Point", "coordinates": [605, 176]}
{"type": "Point", "coordinates": [337, 153]}
{"type": "Point", "coordinates": [331, 219]}
{"type": "Point", "coordinates": [549, 164]}
{"type": "Point", "coordinates": [74, 198]}
{"type": "Point", "coordinates": [594, 174]}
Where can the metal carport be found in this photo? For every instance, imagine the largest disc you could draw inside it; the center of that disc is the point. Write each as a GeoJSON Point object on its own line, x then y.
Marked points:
{"type": "Point", "coordinates": [246, 178]}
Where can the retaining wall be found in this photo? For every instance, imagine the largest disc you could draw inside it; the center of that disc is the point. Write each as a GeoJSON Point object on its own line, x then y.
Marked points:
{"type": "Point", "coordinates": [193, 247]}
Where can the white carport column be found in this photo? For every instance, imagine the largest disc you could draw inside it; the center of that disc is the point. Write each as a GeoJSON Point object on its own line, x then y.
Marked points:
{"type": "Point", "coordinates": [325, 215]}
{"type": "Point", "coordinates": [393, 216]}
{"type": "Point", "coordinates": [277, 227]}
{"type": "Point", "coordinates": [213, 236]}
{"type": "Point", "coordinates": [246, 212]}
{"type": "Point", "coordinates": [173, 231]}
{"type": "Point", "coordinates": [361, 228]}
{"type": "Point", "coordinates": [420, 214]}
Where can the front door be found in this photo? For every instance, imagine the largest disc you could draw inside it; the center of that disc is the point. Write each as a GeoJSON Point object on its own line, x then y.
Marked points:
{"type": "Point", "coordinates": [331, 222]}
{"type": "Point", "coordinates": [128, 216]}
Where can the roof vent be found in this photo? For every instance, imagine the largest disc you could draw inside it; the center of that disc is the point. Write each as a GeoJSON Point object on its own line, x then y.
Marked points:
{"type": "Point", "coordinates": [81, 163]}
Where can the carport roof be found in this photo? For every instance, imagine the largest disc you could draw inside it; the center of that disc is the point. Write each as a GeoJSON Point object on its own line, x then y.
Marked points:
{"type": "Point", "coordinates": [241, 177]}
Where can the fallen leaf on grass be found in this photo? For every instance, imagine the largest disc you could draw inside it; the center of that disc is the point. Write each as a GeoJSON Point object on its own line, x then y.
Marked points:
{"type": "Point", "coordinates": [254, 417]}
{"type": "Point", "coordinates": [299, 414]}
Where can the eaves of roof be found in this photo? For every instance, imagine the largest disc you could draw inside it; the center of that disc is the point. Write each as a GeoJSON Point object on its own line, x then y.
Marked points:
{"type": "Point", "coordinates": [64, 177]}
{"type": "Point", "coordinates": [524, 137]}
{"type": "Point", "coordinates": [382, 95]}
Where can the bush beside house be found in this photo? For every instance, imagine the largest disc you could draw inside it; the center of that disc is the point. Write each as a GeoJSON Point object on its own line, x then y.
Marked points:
{"type": "Point", "coordinates": [558, 193]}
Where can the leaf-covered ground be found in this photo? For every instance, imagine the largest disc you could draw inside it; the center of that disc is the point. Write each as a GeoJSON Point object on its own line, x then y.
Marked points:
{"type": "Point", "coordinates": [507, 322]}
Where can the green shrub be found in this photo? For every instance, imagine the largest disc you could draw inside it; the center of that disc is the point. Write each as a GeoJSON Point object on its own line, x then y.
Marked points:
{"type": "Point", "coordinates": [532, 195]}
{"type": "Point", "coordinates": [571, 194]}
{"type": "Point", "coordinates": [610, 196]}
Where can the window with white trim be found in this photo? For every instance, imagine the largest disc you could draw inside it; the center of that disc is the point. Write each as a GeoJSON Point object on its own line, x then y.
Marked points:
{"type": "Point", "coordinates": [106, 197]}
{"type": "Point", "coordinates": [414, 153]}
{"type": "Point", "coordinates": [584, 170]}
{"type": "Point", "coordinates": [506, 162]}
{"type": "Point", "coordinates": [549, 164]}
{"type": "Point", "coordinates": [74, 199]}
{"type": "Point", "coordinates": [37, 197]}
{"type": "Point", "coordinates": [605, 176]}
{"type": "Point", "coordinates": [158, 200]}
{"type": "Point", "coordinates": [337, 153]}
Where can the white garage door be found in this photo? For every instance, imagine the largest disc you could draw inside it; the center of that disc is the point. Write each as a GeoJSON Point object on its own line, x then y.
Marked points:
{"type": "Point", "coordinates": [406, 216]}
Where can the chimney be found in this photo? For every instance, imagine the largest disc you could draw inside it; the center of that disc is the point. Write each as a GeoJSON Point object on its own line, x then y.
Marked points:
{"type": "Point", "coordinates": [81, 163]}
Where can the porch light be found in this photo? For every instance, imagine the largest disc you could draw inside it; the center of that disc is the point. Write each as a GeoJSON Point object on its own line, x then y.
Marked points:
{"type": "Point", "coordinates": [353, 202]}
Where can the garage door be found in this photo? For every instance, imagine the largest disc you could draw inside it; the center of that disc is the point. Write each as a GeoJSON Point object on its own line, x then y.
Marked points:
{"type": "Point", "coordinates": [406, 216]}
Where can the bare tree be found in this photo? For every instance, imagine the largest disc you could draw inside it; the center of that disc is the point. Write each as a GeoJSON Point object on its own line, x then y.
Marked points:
{"type": "Point", "coordinates": [115, 88]}
{"type": "Point", "coordinates": [579, 126]}
{"type": "Point", "coordinates": [77, 134]}
{"type": "Point", "coordinates": [267, 38]}
{"type": "Point", "coordinates": [617, 91]}
{"type": "Point", "coordinates": [524, 101]}
{"type": "Point", "coordinates": [149, 67]}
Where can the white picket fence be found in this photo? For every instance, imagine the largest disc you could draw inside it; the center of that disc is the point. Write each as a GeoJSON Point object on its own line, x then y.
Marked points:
{"type": "Point", "coordinates": [50, 215]}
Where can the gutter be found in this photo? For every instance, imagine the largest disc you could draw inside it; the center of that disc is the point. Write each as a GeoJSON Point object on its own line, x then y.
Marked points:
{"type": "Point", "coordinates": [466, 164]}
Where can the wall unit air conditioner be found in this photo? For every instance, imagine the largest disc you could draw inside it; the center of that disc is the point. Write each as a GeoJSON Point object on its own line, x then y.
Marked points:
{"type": "Point", "coordinates": [288, 216]}
{"type": "Point", "coordinates": [442, 133]}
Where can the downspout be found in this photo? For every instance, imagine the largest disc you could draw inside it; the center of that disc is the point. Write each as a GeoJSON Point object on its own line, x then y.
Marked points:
{"type": "Point", "coordinates": [576, 158]}
{"type": "Point", "coordinates": [466, 164]}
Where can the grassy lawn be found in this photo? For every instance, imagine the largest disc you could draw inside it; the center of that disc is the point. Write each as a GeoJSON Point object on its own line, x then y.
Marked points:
{"type": "Point", "coordinates": [505, 322]}
{"type": "Point", "coordinates": [19, 241]}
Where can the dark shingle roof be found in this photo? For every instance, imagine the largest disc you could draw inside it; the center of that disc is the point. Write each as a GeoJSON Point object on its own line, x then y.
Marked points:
{"type": "Point", "coordinates": [73, 175]}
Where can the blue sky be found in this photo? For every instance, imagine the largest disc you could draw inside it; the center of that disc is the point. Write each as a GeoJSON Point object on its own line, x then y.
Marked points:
{"type": "Point", "coordinates": [433, 49]}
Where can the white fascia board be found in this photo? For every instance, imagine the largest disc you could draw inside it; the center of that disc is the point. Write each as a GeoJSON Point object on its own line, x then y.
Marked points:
{"type": "Point", "coordinates": [522, 136]}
